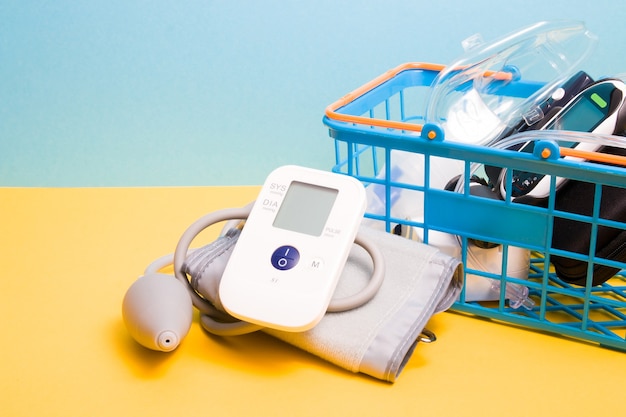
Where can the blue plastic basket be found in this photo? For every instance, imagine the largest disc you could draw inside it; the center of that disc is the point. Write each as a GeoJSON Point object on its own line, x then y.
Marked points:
{"type": "Point", "coordinates": [384, 116]}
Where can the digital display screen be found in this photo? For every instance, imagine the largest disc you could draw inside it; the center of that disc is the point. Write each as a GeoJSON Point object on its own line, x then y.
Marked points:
{"type": "Point", "coordinates": [583, 116]}
{"type": "Point", "coordinates": [305, 208]}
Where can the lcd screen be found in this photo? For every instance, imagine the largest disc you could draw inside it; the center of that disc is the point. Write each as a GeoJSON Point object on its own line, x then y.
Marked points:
{"type": "Point", "coordinates": [305, 208]}
{"type": "Point", "coordinates": [583, 116]}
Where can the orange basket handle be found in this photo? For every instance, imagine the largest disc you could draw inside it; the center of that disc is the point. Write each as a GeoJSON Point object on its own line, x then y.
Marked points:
{"type": "Point", "coordinates": [594, 156]}
{"type": "Point", "coordinates": [331, 110]}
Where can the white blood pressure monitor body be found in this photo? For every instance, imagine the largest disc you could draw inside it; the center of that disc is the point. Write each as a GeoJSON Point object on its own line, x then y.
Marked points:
{"type": "Point", "coordinates": [291, 252]}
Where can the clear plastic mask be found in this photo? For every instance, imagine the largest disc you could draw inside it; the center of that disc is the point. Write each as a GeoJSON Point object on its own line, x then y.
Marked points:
{"type": "Point", "coordinates": [477, 97]}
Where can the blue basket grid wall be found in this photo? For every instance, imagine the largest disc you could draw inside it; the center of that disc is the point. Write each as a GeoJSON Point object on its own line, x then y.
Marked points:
{"type": "Point", "coordinates": [595, 313]}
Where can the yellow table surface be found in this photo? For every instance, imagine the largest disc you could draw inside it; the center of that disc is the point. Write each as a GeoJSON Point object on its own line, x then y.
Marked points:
{"type": "Point", "coordinates": [67, 257]}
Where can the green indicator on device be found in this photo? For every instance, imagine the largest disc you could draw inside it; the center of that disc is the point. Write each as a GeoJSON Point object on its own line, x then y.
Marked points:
{"type": "Point", "coordinates": [598, 100]}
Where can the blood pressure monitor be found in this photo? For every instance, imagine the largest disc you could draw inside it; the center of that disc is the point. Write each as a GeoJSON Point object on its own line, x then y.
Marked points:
{"type": "Point", "coordinates": [286, 264]}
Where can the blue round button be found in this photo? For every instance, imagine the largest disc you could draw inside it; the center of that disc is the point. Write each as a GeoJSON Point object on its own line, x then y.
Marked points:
{"type": "Point", "coordinates": [285, 257]}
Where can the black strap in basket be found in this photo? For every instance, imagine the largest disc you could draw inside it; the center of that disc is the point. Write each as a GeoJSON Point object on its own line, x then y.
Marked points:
{"type": "Point", "coordinates": [575, 236]}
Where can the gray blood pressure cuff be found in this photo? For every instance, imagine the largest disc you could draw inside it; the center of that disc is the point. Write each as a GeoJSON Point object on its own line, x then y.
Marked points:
{"type": "Point", "coordinates": [379, 337]}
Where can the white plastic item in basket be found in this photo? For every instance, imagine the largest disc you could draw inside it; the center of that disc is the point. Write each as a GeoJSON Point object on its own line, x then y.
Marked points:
{"type": "Point", "coordinates": [407, 168]}
{"type": "Point", "coordinates": [488, 260]}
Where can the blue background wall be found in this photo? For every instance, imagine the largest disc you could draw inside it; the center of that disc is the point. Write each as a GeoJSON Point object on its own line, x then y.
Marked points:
{"type": "Point", "coordinates": [134, 93]}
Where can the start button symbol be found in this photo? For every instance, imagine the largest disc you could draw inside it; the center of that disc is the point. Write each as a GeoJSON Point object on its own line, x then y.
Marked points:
{"type": "Point", "coordinates": [285, 257]}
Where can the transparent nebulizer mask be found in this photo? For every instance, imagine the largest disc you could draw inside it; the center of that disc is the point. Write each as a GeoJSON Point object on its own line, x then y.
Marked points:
{"type": "Point", "coordinates": [474, 99]}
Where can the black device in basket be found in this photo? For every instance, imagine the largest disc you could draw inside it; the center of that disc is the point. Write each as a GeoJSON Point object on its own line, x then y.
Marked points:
{"type": "Point", "coordinates": [600, 107]}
